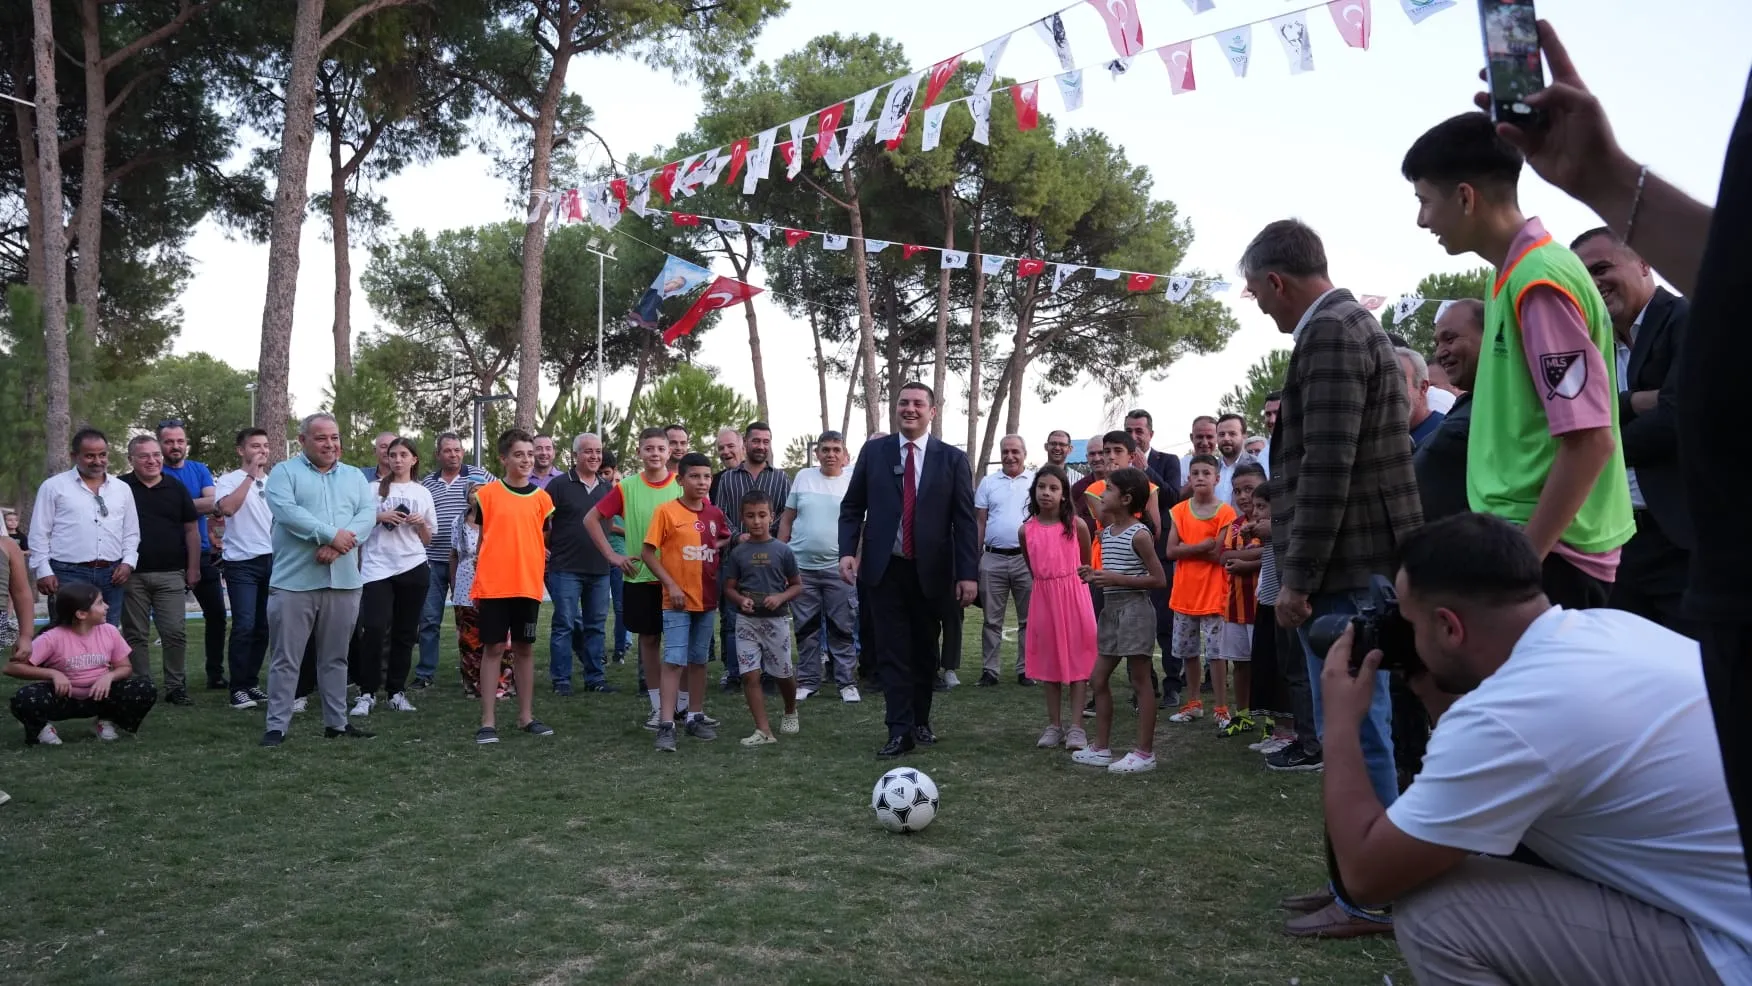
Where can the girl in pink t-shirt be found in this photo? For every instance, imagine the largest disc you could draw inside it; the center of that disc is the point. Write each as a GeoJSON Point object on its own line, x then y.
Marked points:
{"type": "Point", "coordinates": [79, 667]}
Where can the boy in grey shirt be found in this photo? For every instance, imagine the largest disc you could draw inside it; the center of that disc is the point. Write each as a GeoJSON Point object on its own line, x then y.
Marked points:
{"type": "Point", "coordinates": [760, 580]}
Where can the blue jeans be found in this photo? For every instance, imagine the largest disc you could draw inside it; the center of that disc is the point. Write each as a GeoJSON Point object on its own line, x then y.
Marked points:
{"type": "Point", "coordinates": [246, 583]}
{"type": "Point", "coordinates": [616, 582]}
{"type": "Point", "coordinates": [687, 637]}
{"type": "Point", "coordinates": [100, 577]}
{"type": "Point", "coordinates": [580, 616]}
{"type": "Point", "coordinates": [431, 618]}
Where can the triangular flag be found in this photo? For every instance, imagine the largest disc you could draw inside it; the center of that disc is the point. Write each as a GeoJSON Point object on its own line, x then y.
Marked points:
{"type": "Point", "coordinates": [1218, 287]}
{"type": "Point", "coordinates": [568, 208]}
{"type": "Point", "coordinates": [1237, 45]}
{"type": "Point", "coordinates": [1292, 32]}
{"type": "Point", "coordinates": [604, 210]}
{"type": "Point", "coordinates": [1406, 307]}
{"type": "Point", "coordinates": [1106, 274]}
{"type": "Point", "coordinates": [933, 132]}
{"type": "Point", "coordinates": [1028, 267]}
{"type": "Point", "coordinates": [990, 56]}
{"type": "Point", "coordinates": [722, 293]}
{"type": "Point", "coordinates": [1199, 6]}
{"type": "Point", "coordinates": [1178, 288]}
{"type": "Point", "coordinates": [1372, 302]}
{"type": "Point", "coordinates": [980, 107]}
{"type": "Point", "coordinates": [989, 264]}
{"type": "Point", "coordinates": [764, 229]}
{"type": "Point", "coordinates": [1178, 58]}
{"type": "Point", "coordinates": [1442, 309]}
{"type": "Point", "coordinates": [760, 163]}
{"type": "Point", "coordinates": [838, 154]}
{"type": "Point", "coordinates": [1123, 26]}
{"type": "Point", "coordinates": [684, 219]}
{"type": "Point", "coordinates": [1027, 99]}
{"type": "Point", "coordinates": [1417, 10]}
{"type": "Point", "coordinates": [1062, 273]}
{"type": "Point", "coordinates": [1052, 30]}
{"type": "Point", "coordinates": [830, 121]}
{"type": "Point", "coordinates": [1353, 18]}
{"type": "Point", "coordinates": [641, 187]}
{"type": "Point", "coordinates": [794, 157]}
{"type": "Point", "coordinates": [862, 103]}
{"type": "Point", "coordinates": [618, 188]}
{"type": "Point", "coordinates": [738, 157]}
{"type": "Point", "coordinates": [954, 259]}
{"type": "Point", "coordinates": [833, 241]}
{"type": "Point", "coordinates": [1140, 282]}
{"type": "Point", "coordinates": [911, 250]}
{"type": "Point", "coordinates": [728, 226]}
{"type": "Point", "coordinates": [1071, 88]}
{"type": "Point", "coordinates": [689, 172]}
{"type": "Point", "coordinates": [714, 168]}
{"type": "Point", "coordinates": [664, 183]}
{"type": "Point", "coordinates": [1119, 67]}
{"type": "Point", "coordinates": [876, 246]}
{"type": "Point", "coordinates": [795, 236]}
{"type": "Point", "coordinates": [941, 73]}
{"type": "Point", "coordinates": [896, 107]}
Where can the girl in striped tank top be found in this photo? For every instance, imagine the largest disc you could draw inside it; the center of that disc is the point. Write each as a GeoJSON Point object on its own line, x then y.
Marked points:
{"type": "Point", "coordinates": [1127, 627]}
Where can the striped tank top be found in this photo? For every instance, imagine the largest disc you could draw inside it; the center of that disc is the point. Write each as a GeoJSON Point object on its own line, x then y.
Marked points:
{"type": "Point", "coordinates": [1119, 557]}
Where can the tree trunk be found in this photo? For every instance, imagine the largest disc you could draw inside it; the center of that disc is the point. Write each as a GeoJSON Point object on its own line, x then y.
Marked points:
{"type": "Point", "coordinates": [638, 387]}
{"type": "Point", "coordinates": [894, 370]}
{"type": "Point", "coordinates": [866, 327]}
{"type": "Point", "coordinates": [846, 417]}
{"type": "Point", "coordinates": [535, 239]}
{"type": "Point", "coordinates": [742, 269]}
{"type": "Point", "coordinates": [24, 122]}
{"type": "Point", "coordinates": [940, 371]}
{"type": "Point", "coordinates": [58, 424]}
{"type": "Point", "coordinates": [338, 195]}
{"type": "Point", "coordinates": [89, 220]}
{"type": "Point", "coordinates": [820, 366]}
{"type": "Point", "coordinates": [991, 426]}
{"type": "Point", "coordinates": [975, 346]}
{"type": "Point", "coordinates": [1019, 364]}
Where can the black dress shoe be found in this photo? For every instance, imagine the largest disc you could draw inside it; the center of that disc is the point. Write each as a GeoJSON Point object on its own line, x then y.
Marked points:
{"type": "Point", "coordinates": [896, 746]}
{"type": "Point", "coordinates": [987, 679]}
{"type": "Point", "coordinates": [923, 736]}
{"type": "Point", "coordinates": [942, 684]}
{"type": "Point", "coordinates": [351, 732]}
{"type": "Point", "coordinates": [1024, 681]}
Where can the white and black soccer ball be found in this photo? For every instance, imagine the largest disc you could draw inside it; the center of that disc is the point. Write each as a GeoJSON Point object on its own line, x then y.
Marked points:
{"type": "Point", "coordinates": [905, 800]}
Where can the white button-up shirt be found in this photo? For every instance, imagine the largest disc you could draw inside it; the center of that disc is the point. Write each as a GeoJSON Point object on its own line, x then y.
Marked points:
{"type": "Point", "coordinates": [71, 524]}
{"type": "Point", "coordinates": [919, 445]}
{"type": "Point", "coordinates": [249, 533]}
{"type": "Point", "coordinates": [1623, 352]}
{"type": "Point", "coordinates": [1004, 498]}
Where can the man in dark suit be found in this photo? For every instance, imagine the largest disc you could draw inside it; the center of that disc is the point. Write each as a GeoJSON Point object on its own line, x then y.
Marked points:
{"type": "Point", "coordinates": [1648, 323]}
{"type": "Point", "coordinates": [910, 505]}
{"type": "Point", "coordinates": [1343, 499]}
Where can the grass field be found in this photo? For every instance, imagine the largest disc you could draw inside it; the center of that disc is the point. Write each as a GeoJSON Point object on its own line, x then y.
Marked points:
{"type": "Point", "coordinates": [190, 855]}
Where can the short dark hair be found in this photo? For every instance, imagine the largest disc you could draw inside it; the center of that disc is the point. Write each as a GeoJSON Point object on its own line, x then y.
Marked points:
{"type": "Point", "coordinates": [1594, 234]}
{"type": "Point", "coordinates": [692, 460]}
{"type": "Point", "coordinates": [1246, 469]}
{"type": "Point", "coordinates": [1464, 148]}
{"type": "Point", "coordinates": [511, 437]}
{"type": "Point", "coordinates": [609, 459]}
{"type": "Point", "coordinates": [756, 498]}
{"type": "Point", "coordinates": [1276, 395]}
{"type": "Point", "coordinates": [1262, 492]}
{"type": "Point", "coordinates": [540, 435]}
{"type": "Point", "coordinates": [1059, 431]}
{"type": "Point", "coordinates": [831, 436]}
{"type": "Point", "coordinates": [650, 433]}
{"type": "Point", "coordinates": [1232, 416]}
{"type": "Point", "coordinates": [1473, 306]}
{"type": "Point", "coordinates": [1289, 247]}
{"type": "Point", "coordinates": [1201, 419]}
{"type": "Point", "coordinates": [448, 436]}
{"type": "Point", "coordinates": [249, 433]}
{"type": "Point", "coordinates": [71, 599]}
{"type": "Point", "coordinates": [1398, 341]}
{"type": "Point", "coordinates": [1472, 556]}
{"type": "Point", "coordinates": [1119, 438]}
{"type": "Point", "coordinates": [168, 423]}
{"type": "Point", "coordinates": [86, 434]}
{"type": "Point", "coordinates": [676, 426]}
{"type": "Point", "coordinates": [918, 385]}
{"type": "Point", "coordinates": [1133, 485]}
{"type": "Point", "coordinates": [754, 426]}
{"type": "Point", "coordinates": [1133, 415]}
{"type": "Point", "coordinates": [1207, 460]}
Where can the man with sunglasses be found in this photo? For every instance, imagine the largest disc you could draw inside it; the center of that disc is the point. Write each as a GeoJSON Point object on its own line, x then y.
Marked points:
{"type": "Point", "coordinates": [241, 498]}
{"type": "Point", "coordinates": [173, 441]}
{"type": "Point", "coordinates": [1058, 453]}
{"type": "Point", "coordinates": [83, 528]}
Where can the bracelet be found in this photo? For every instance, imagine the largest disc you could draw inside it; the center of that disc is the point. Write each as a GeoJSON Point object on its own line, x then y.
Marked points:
{"type": "Point", "coordinates": [1642, 177]}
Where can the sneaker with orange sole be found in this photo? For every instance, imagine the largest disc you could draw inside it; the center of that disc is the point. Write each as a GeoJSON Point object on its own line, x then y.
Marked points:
{"type": "Point", "coordinates": [1188, 712]}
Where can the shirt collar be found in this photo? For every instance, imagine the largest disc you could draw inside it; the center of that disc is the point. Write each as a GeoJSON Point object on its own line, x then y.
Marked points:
{"type": "Point", "coordinates": [1307, 316]}
{"type": "Point", "coordinates": [1531, 233]}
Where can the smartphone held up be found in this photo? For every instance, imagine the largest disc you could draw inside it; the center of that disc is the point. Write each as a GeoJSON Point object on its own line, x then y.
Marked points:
{"type": "Point", "coordinates": [1513, 67]}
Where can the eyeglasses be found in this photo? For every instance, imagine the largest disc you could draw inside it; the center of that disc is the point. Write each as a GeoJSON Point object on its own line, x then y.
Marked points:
{"type": "Point", "coordinates": [1058, 444]}
{"type": "Point", "coordinates": [170, 423]}
{"type": "Point", "coordinates": [260, 485]}
{"type": "Point", "coordinates": [102, 509]}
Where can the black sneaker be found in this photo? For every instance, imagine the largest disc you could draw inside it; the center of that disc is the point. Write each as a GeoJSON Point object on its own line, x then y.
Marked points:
{"type": "Point", "coordinates": [535, 727]}
{"type": "Point", "coordinates": [242, 700]}
{"type": "Point", "coordinates": [1170, 700]}
{"type": "Point", "coordinates": [218, 685]}
{"type": "Point", "coordinates": [257, 694]}
{"type": "Point", "coordinates": [1024, 681]}
{"type": "Point", "coordinates": [603, 688]}
{"type": "Point", "coordinates": [420, 684]}
{"type": "Point", "coordinates": [665, 737]}
{"type": "Point", "coordinates": [351, 732]}
{"type": "Point", "coordinates": [485, 735]}
{"type": "Point", "coordinates": [273, 737]}
{"type": "Point", "coordinates": [942, 684]}
{"type": "Point", "coordinates": [178, 697]}
{"type": "Point", "coordinates": [987, 679]}
{"type": "Point", "coordinates": [620, 657]}
{"type": "Point", "coordinates": [1089, 710]}
{"type": "Point", "coordinates": [728, 685]}
{"type": "Point", "coordinates": [1294, 758]}
{"type": "Point", "coordinates": [563, 689]}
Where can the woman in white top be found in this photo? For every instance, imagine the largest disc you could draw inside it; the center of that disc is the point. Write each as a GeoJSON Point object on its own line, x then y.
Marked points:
{"type": "Point", "coordinates": [393, 565]}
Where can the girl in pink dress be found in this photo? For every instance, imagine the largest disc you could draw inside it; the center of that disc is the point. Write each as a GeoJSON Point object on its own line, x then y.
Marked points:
{"type": "Point", "coordinates": [1060, 639]}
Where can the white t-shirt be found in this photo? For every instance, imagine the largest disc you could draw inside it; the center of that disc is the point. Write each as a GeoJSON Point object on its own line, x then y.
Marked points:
{"type": "Point", "coordinates": [815, 531]}
{"type": "Point", "coordinates": [249, 533]}
{"type": "Point", "coordinates": [1595, 746]}
{"type": "Point", "coordinates": [1442, 402]}
{"type": "Point", "coordinates": [1005, 501]}
{"type": "Point", "coordinates": [392, 551]}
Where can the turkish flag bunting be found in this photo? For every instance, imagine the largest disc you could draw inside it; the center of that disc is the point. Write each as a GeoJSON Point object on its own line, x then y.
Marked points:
{"type": "Point", "coordinates": [738, 156]}
{"type": "Point", "coordinates": [1028, 267]}
{"type": "Point", "coordinates": [909, 250]}
{"type": "Point", "coordinates": [571, 205]}
{"type": "Point", "coordinates": [619, 187]}
{"type": "Point", "coordinates": [664, 183]}
{"type": "Point", "coordinates": [824, 137]}
{"type": "Point", "coordinates": [795, 236]}
{"type": "Point", "coordinates": [722, 293]}
{"type": "Point", "coordinates": [1372, 302]}
{"type": "Point", "coordinates": [1140, 282]}
{"type": "Point", "coordinates": [941, 73]}
{"type": "Point", "coordinates": [684, 219]}
{"type": "Point", "coordinates": [1353, 20]}
{"type": "Point", "coordinates": [1178, 58]}
{"type": "Point", "coordinates": [1027, 97]}
{"type": "Point", "coordinates": [1123, 25]}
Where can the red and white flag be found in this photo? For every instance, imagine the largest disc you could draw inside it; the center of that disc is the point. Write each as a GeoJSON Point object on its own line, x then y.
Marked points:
{"type": "Point", "coordinates": [1027, 98]}
{"type": "Point", "coordinates": [684, 219]}
{"type": "Point", "coordinates": [911, 250]}
{"type": "Point", "coordinates": [795, 236]}
{"type": "Point", "coordinates": [824, 134]}
{"type": "Point", "coordinates": [794, 156]}
{"type": "Point", "coordinates": [571, 207]}
{"type": "Point", "coordinates": [738, 157]}
{"type": "Point", "coordinates": [722, 293]}
{"type": "Point", "coordinates": [1028, 267]}
{"type": "Point", "coordinates": [619, 188]}
{"type": "Point", "coordinates": [1354, 20]}
{"type": "Point", "coordinates": [1178, 58]}
{"type": "Point", "coordinates": [1140, 282]}
{"type": "Point", "coordinates": [1372, 302]}
{"type": "Point", "coordinates": [664, 183]}
{"type": "Point", "coordinates": [941, 73]}
{"type": "Point", "coordinates": [1123, 26]}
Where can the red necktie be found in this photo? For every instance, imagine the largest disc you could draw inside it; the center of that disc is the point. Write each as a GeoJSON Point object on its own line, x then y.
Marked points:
{"type": "Point", "coordinates": [909, 495]}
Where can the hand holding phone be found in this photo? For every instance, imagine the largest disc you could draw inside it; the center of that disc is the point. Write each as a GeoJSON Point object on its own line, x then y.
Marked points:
{"type": "Point", "coordinates": [1513, 69]}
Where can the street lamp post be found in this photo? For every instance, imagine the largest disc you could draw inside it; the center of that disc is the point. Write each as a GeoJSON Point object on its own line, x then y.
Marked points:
{"type": "Point", "coordinates": [481, 402]}
{"type": "Point", "coordinates": [602, 260]}
{"type": "Point", "coordinates": [251, 387]}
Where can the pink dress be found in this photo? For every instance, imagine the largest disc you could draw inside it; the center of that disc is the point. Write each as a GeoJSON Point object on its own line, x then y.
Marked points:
{"type": "Point", "coordinates": [1061, 618]}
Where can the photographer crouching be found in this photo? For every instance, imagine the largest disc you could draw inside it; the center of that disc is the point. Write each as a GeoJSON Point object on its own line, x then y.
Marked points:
{"type": "Point", "coordinates": [1577, 740]}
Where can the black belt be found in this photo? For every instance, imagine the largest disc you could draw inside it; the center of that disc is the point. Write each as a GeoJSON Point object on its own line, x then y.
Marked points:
{"type": "Point", "coordinates": [1003, 551]}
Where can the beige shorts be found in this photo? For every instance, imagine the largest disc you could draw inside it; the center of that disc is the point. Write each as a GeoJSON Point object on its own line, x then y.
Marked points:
{"type": "Point", "coordinates": [763, 643]}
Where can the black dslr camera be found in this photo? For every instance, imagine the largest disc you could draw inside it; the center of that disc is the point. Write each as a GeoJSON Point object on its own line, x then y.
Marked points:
{"type": "Point", "coordinates": [1379, 627]}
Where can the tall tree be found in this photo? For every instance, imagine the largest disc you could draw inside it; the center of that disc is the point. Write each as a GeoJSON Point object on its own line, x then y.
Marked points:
{"type": "Point", "coordinates": [58, 428]}
{"type": "Point", "coordinates": [1419, 328]}
{"type": "Point", "coordinates": [208, 395]}
{"type": "Point", "coordinates": [1248, 399]}
{"type": "Point", "coordinates": [691, 396]}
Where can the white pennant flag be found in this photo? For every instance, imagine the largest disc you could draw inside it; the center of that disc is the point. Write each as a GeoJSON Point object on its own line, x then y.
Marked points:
{"type": "Point", "coordinates": [1119, 66]}
{"type": "Point", "coordinates": [1052, 30]}
{"type": "Point", "coordinates": [1442, 309]}
{"type": "Point", "coordinates": [873, 247]}
{"type": "Point", "coordinates": [1106, 274]}
{"type": "Point", "coordinates": [832, 241]}
{"type": "Point", "coordinates": [1292, 32]}
{"type": "Point", "coordinates": [764, 229]}
{"type": "Point", "coordinates": [1061, 273]}
{"type": "Point", "coordinates": [799, 127]}
{"type": "Point", "coordinates": [954, 259]}
{"type": "Point", "coordinates": [1219, 287]}
{"type": "Point", "coordinates": [1179, 287]}
{"type": "Point", "coordinates": [840, 153]}
{"type": "Point", "coordinates": [687, 174]}
{"type": "Point", "coordinates": [1200, 6]}
{"type": "Point", "coordinates": [1071, 88]}
{"type": "Point", "coordinates": [861, 105]}
{"type": "Point", "coordinates": [933, 132]}
{"type": "Point", "coordinates": [715, 169]}
{"type": "Point", "coordinates": [897, 106]}
{"type": "Point", "coordinates": [1406, 307]}
{"type": "Point", "coordinates": [760, 163]}
{"type": "Point", "coordinates": [1417, 10]}
{"type": "Point", "coordinates": [604, 210]}
{"type": "Point", "coordinates": [641, 188]}
{"type": "Point", "coordinates": [727, 226]}
{"type": "Point", "coordinates": [1237, 47]}
{"type": "Point", "coordinates": [989, 264]}
{"type": "Point", "coordinates": [991, 55]}
{"type": "Point", "coordinates": [981, 108]}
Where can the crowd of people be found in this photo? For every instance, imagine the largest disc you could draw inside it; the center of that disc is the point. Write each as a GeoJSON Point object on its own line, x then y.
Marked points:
{"type": "Point", "coordinates": [1534, 793]}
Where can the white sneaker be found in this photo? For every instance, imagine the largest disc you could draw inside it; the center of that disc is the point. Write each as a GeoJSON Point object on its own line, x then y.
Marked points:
{"type": "Point", "coordinates": [48, 737]}
{"type": "Point", "coordinates": [1271, 746]}
{"type": "Point", "coordinates": [104, 729]}
{"type": "Point", "coordinates": [1133, 764]}
{"type": "Point", "coordinates": [300, 704]}
{"type": "Point", "coordinates": [363, 706]}
{"type": "Point", "coordinates": [805, 692]}
{"type": "Point", "coordinates": [1090, 757]}
{"type": "Point", "coordinates": [399, 702]}
{"type": "Point", "coordinates": [950, 679]}
{"type": "Point", "coordinates": [849, 695]}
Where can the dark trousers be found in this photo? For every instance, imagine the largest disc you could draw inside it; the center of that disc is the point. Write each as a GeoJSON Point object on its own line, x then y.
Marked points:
{"type": "Point", "coordinates": [389, 614]}
{"type": "Point", "coordinates": [909, 625]}
{"type": "Point", "coordinates": [1269, 692]}
{"type": "Point", "coordinates": [1569, 587]}
{"type": "Point", "coordinates": [1652, 574]}
{"type": "Point", "coordinates": [1173, 668]}
{"type": "Point", "coordinates": [949, 655]}
{"type": "Point", "coordinates": [867, 655]}
{"type": "Point", "coordinates": [1411, 730]}
{"type": "Point", "coordinates": [210, 594]}
{"type": "Point", "coordinates": [246, 582]}
{"type": "Point", "coordinates": [36, 705]}
{"type": "Point", "coordinates": [1727, 670]}
{"type": "Point", "coordinates": [1292, 677]}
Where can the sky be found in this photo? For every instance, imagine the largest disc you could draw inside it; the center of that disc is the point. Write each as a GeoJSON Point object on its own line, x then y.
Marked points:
{"type": "Point", "coordinates": [1237, 153]}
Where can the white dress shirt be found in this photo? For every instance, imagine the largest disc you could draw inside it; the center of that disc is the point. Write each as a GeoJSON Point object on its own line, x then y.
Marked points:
{"type": "Point", "coordinates": [249, 533]}
{"type": "Point", "coordinates": [1004, 498]}
{"type": "Point", "coordinates": [919, 445]}
{"type": "Point", "coordinates": [71, 524]}
{"type": "Point", "coordinates": [1636, 497]}
{"type": "Point", "coordinates": [1308, 315]}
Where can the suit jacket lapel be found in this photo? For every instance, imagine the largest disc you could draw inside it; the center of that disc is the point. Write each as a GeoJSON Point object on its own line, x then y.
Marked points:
{"type": "Point", "coordinates": [891, 461]}
{"type": "Point", "coordinates": [1654, 322]}
{"type": "Point", "coordinates": [933, 449]}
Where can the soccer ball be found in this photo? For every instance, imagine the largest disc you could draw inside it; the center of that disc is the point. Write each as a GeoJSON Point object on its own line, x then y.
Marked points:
{"type": "Point", "coordinates": [905, 800]}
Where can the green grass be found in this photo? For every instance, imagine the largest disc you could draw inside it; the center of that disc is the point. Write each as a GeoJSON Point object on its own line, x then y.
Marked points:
{"type": "Point", "coordinates": [190, 855]}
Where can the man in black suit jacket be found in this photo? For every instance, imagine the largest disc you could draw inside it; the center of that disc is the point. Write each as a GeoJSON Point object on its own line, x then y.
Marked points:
{"type": "Point", "coordinates": [1649, 323]}
{"type": "Point", "coordinates": [910, 569]}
